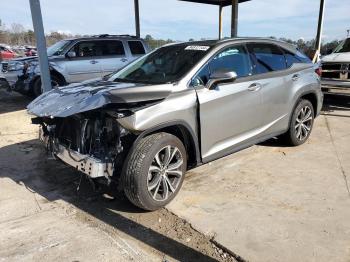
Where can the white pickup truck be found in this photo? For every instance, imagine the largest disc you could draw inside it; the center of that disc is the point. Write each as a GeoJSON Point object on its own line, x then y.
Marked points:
{"type": "Point", "coordinates": [336, 69]}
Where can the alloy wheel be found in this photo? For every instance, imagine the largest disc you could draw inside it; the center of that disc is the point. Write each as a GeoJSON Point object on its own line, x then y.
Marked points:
{"type": "Point", "coordinates": [165, 173]}
{"type": "Point", "coordinates": [303, 123]}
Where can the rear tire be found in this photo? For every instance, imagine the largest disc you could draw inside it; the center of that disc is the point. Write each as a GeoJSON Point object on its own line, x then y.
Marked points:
{"type": "Point", "coordinates": [154, 171]}
{"type": "Point", "coordinates": [301, 123]}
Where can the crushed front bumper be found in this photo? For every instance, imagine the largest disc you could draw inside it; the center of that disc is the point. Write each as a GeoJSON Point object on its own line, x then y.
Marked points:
{"type": "Point", "coordinates": [89, 165]}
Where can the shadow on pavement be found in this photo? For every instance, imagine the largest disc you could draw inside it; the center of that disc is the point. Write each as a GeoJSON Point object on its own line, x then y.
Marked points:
{"type": "Point", "coordinates": [336, 103]}
{"type": "Point", "coordinates": [53, 180]}
{"type": "Point", "coordinates": [12, 101]}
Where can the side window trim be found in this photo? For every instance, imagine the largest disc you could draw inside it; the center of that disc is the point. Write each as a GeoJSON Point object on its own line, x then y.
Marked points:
{"type": "Point", "coordinates": [77, 43]}
{"type": "Point", "coordinates": [255, 59]}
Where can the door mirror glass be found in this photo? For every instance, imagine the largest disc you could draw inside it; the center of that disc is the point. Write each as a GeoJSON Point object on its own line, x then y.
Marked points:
{"type": "Point", "coordinates": [221, 76]}
{"type": "Point", "coordinates": [71, 54]}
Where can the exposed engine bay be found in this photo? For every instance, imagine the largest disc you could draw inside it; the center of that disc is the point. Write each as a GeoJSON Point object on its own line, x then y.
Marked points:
{"type": "Point", "coordinates": [92, 142]}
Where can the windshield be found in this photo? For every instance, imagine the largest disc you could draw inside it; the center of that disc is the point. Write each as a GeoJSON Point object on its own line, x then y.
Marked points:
{"type": "Point", "coordinates": [58, 48]}
{"type": "Point", "coordinates": [164, 65]}
{"type": "Point", "coordinates": [343, 47]}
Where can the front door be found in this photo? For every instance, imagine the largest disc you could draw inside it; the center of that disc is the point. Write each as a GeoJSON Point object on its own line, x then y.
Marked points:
{"type": "Point", "coordinates": [86, 64]}
{"type": "Point", "coordinates": [230, 113]}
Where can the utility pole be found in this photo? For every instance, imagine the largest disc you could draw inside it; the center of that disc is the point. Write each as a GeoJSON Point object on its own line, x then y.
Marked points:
{"type": "Point", "coordinates": [137, 17]}
{"type": "Point", "coordinates": [41, 45]}
{"type": "Point", "coordinates": [319, 31]}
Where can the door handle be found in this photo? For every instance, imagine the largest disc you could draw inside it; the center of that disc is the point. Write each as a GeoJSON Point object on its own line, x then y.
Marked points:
{"type": "Point", "coordinates": [254, 87]}
{"type": "Point", "coordinates": [93, 62]}
{"type": "Point", "coordinates": [124, 60]}
{"type": "Point", "coordinates": [295, 77]}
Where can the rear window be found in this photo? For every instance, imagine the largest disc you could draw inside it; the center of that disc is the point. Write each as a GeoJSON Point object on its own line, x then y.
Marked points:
{"type": "Point", "coordinates": [136, 48]}
{"type": "Point", "coordinates": [297, 57]}
{"type": "Point", "coordinates": [269, 57]}
{"type": "Point", "coordinates": [111, 47]}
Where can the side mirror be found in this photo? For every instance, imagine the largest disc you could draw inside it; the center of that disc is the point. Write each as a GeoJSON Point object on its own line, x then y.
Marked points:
{"type": "Point", "coordinates": [71, 54]}
{"type": "Point", "coordinates": [221, 76]}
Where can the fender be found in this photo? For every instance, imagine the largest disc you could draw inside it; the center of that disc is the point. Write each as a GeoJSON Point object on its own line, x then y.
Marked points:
{"type": "Point", "coordinates": [175, 123]}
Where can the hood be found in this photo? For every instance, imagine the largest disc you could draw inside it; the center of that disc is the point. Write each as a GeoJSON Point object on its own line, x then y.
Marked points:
{"type": "Point", "coordinates": [78, 98]}
{"type": "Point", "coordinates": [337, 57]}
{"type": "Point", "coordinates": [24, 59]}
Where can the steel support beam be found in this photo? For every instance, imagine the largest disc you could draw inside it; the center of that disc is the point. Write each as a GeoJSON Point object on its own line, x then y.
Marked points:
{"type": "Point", "coordinates": [319, 31]}
{"type": "Point", "coordinates": [234, 18]}
{"type": "Point", "coordinates": [137, 18]}
{"type": "Point", "coordinates": [220, 21]}
{"type": "Point", "coordinates": [41, 44]}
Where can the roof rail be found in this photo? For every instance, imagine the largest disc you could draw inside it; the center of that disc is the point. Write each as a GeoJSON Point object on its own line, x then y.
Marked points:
{"type": "Point", "coordinates": [108, 35]}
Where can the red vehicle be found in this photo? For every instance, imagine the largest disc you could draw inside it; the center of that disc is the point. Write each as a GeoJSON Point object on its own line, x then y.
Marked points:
{"type": "Point", "coordinates": [30, 51]}
{"type": "Point", "coordinates": [6, 53]}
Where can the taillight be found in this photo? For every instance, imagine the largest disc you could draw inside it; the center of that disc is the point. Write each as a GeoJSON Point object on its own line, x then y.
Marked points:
{"type": "Point", "coordinates": [318, 71]}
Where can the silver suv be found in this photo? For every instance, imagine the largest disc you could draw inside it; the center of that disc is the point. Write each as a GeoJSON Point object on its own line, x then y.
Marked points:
{"type": "Point", "coordinates": [178, 107]}
{"type": "Point", "coordinates": [74, 60]}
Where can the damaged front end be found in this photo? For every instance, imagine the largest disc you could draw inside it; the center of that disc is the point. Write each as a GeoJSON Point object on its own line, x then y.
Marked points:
{"type": "Point", "coordinates": [92, 142]}
{"type": "Point", "coordinates": [79, 123]}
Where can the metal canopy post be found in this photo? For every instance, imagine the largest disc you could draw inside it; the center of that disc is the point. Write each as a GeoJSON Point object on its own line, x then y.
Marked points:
{"type": "Point", "coordinates": [220, 21]}
{"type": "Point", "coordinates": [41, 44]}
{"type": "Point", "coordinates": [319, 30]}
{"type": "Point", "coordinates": [234, 18]}
{"type": "Point", "coordinates": [137, 18]}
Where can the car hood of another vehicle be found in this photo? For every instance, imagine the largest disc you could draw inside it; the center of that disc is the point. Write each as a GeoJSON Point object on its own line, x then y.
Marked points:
{"type": "Point", "coordinates": [337, 58]}
{"type": "Point", "coordinates": [91, 95]}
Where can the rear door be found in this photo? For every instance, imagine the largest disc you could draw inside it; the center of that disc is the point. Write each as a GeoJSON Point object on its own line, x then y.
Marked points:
{"type": "Point", "coordinates": [86, 64]}
{"type": "Point", "coordinates": [112, 55]}
{"type": "Point", "coordinates": [270, 67]}
{"type": "Point", "coordinates": [230, 114]}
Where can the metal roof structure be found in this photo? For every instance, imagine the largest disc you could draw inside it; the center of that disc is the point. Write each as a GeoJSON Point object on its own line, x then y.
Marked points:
{"type": "Point", "coordinates": [214, 2]}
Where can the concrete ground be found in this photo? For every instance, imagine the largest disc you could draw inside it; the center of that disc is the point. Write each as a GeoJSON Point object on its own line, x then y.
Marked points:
{"type": "Point", "coordinates": [266, 203]}
{"type": "Point", "coordinates": [44, 218]}
{"type": "Point", "coordinates": [275, 203]}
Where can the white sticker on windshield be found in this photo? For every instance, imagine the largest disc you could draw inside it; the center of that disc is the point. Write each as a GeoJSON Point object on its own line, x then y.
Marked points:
{"type": "Point", "coordinates": [197, 47]}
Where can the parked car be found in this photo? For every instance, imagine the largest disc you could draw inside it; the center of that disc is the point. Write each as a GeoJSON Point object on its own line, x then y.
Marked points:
{"type": "Point", "coordinates": [6, 53]}
{"type": "Point", "coordinates": [74, 60]}
{"type": "Point", "coordinates": [336, 69]}
{"type": "Point", "coordinates": [30, 51]}
{"type": "Point", "coordinates": [178, 107]}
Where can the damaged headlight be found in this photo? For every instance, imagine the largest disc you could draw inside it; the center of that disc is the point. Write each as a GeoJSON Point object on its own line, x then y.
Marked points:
{"type": "Point", "coordinates": [15, 66]}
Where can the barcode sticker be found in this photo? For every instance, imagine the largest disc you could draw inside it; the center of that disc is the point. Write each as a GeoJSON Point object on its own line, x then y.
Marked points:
{"type": "Point", "coordinates": [197, 47]}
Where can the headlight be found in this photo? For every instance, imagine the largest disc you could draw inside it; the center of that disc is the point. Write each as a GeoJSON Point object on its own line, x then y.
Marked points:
{"type": "Point", "coordinates": [15, 66]}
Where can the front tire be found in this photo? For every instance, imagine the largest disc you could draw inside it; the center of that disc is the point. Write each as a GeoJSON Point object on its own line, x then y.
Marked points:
{"type": "Point", "coordinates": [301, 123]}
{"type": "Point", "coordinates": [55, 82]}
{"type": "Point", "coordinates": [154, 171]}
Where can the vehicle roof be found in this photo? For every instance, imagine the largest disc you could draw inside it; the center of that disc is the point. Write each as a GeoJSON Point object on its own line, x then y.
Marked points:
{"type": "Point", "coordinates": [213, 43]}
{"type": "Point", "coordinates": [105, 36]}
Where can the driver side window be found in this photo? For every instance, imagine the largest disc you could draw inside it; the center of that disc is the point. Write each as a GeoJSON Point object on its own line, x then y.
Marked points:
{"type": "Point", "coordinates": [234, 58]}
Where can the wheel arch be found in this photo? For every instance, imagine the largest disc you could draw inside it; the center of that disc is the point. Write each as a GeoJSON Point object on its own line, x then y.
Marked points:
{"type": "Point", "coordinates": [53, 72]}
{"type": "Point", "coordinates": [312, 97]}
{"type": "Point", "coordinates": [185, 133]}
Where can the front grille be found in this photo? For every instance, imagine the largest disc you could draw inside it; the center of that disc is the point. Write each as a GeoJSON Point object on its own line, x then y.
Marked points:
{"type": "Point", "coordinates": [331, 66]}
{"type": "Point", "coordinates": [336, 71]}
{"type": "Point", "coordinates": [4, 67]}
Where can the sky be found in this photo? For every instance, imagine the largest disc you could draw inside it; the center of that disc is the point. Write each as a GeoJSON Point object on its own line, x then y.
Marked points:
{"type": "Point", "coordinates": [172, 19]}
